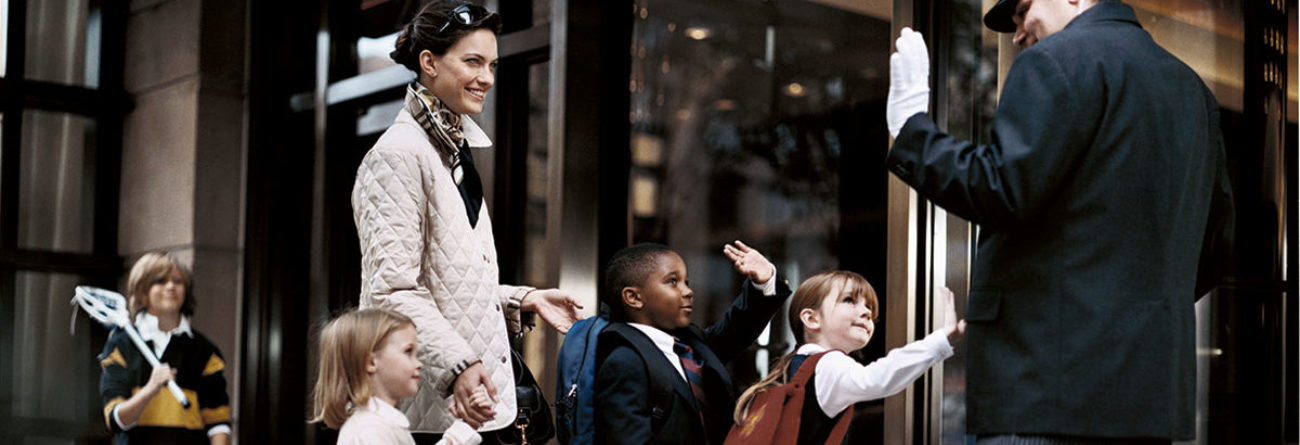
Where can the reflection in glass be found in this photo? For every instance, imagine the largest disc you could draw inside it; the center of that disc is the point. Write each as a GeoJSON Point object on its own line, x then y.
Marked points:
{"type": "Point", "coordinates": [540, 343]}
{"type": "Point", "coordinates": [377, 118]}
{"type": "Point", "coordinates": [541, 12]}
{"type": "Point", "coordinates": [535, 256]}
{"type": "Point", "coordinates": [970, 82]}
{"type": "Point", "coordinates": [739, 121]}
{"type": "Point", "coordinates": [760, 121]}
{"type": "Point", "coordinates": [372, 53]}
{"type": "Point", "coordinates": [56, 182]}
{"type": "Point", "coordinates": [4, 37]}
{"type": "Point", "coordinates": [62, 42]}
{"type": "Point", "coordinates": [1206, 35]}
{"type": "Point", "coordinates": [55, 373]}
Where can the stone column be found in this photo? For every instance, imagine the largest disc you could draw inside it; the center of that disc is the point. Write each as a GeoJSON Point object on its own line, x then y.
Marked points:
{"type": "Point", "coordinates": [183, 153]}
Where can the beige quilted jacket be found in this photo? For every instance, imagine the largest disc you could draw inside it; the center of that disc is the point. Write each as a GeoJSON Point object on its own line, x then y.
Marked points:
{"type": "Point", "coordinates": [421, 258]}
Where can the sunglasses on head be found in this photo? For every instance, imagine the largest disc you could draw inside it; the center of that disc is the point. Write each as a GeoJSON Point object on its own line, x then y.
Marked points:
{"type": "Point", "coordinates": [465, 16]}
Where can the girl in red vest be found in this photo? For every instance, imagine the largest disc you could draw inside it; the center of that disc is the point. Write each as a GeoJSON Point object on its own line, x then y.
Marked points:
{"type": "Point", "coordinates": [834, 313]}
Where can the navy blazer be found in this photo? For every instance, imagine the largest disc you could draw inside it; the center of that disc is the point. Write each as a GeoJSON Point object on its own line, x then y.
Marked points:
{"type": "Point", "coordinates": [1102, 196]}
{"type": "Point", "coordinates": [642, 399]}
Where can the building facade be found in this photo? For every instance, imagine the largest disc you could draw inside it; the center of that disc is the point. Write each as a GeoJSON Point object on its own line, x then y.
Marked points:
{"type": "Point", "coordinates": [229, 132]}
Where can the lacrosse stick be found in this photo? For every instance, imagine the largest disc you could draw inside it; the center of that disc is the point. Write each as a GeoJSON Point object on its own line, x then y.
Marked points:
{"type": "Point", "coordinates": [109, 308]}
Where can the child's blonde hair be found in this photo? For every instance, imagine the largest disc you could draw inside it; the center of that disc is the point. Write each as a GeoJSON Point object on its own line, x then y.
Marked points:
{"type": "Point", "coordinates": [152, 268]}
{"type": "Point", "coordinates": [809, 296]}
{"type": "Point", "coordinates": [345, 347]}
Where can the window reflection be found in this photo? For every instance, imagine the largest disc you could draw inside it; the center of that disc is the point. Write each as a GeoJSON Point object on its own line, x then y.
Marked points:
{"type": "Point", "coordinates": [4, 37]}
{"type": "Point", "coordinates": [541, 12]}
{"type": "Point", "coordinates": [54, 374]}
{"type": "Point", "coordinates": [62, 42]}
{"type": "Point", "coordinates": [970, 82]}
{"type": "Point", "coordinates": [56, 182]}
{"type": "Point", "coordinates": [533, 202]}
{"type": "Point", "coordinates": [372, 53]}
{"type": "Point", "coordinates": [538, 183]}
{"type": "Point", "coordinates": [1206, 35]}
{"type": "Point", "coordinates": [760, 121]}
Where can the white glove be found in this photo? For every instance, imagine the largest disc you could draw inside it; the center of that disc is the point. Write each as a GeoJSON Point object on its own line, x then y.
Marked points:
{"type": "Point", "coordinates": [909, 80]}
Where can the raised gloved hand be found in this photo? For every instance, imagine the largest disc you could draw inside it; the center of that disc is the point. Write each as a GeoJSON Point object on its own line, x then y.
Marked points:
{"type": "Point", "coordinates": [909, 80]}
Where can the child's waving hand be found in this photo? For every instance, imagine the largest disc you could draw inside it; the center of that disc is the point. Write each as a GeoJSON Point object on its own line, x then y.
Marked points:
{"type": "Point", "coordinates": [955, 327]}
{"type": "Point", "coordinates": [749, 262]}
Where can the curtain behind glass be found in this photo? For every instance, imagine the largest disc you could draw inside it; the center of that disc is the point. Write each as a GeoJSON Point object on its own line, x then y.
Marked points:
{"type": "Point", "coordinates": [62, 42]}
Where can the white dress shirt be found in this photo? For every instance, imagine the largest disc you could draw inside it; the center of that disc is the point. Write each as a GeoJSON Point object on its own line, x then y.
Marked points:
{"type": "Point", "coordinates": [147, 325]}
{"type": "Point", "coordinates": [842, 381]}
{"type": "Point", "coordinates": [665, 342]}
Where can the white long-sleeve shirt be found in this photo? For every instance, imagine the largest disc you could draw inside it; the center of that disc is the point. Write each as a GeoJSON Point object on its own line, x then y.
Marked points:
{"type": "Point", "coordinates": [376, 423]}
{"type": "Point", "coordinates": [842, 381]}
{"type": "Point", "coordinates": [379, 423]}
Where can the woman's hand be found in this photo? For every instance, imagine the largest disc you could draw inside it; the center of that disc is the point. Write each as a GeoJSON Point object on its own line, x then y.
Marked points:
{"type": "Point", "coordinates": [479, 401]}
{"type": "Point", "coordinates": [470, 381]}
{"type": "Point", "coordinates": [749, 262]}
{"type": "Point", "coordinates": [951, 324]}
{"type": "Point", "coordinates": [557, 307]}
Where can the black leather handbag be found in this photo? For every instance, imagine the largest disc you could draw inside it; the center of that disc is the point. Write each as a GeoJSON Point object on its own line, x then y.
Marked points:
{"type": "Point", "coordinates": [533, 424]}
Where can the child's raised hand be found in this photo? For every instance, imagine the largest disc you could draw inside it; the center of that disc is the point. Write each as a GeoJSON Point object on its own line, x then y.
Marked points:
{"type": "Point", "coordinates": [951, 324]}
{"type": "Point", "coordinates": [749, 262]}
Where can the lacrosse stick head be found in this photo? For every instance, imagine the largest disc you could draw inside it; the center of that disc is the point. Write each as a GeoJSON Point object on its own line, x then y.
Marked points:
{"type": "Point", "coordinates": [103, 305]}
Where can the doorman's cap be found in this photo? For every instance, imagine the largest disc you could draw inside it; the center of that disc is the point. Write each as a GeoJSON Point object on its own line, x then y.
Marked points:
{"type": "Point", "coordinates": [999, 16]}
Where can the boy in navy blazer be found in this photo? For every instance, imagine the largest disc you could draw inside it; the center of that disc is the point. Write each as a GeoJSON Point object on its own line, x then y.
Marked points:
{"type": "Point", "coordinates": [661, 379]}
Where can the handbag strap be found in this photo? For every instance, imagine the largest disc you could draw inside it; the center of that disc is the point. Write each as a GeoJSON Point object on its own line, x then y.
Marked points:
{"type": "Point", "coordinates": [523, 375]}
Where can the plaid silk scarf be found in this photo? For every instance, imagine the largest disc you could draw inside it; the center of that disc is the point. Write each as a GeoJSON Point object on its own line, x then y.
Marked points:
{"type": "Point", "coordinates": [442, 124]}
{"type": "Point", "coordinates": [444, 129]}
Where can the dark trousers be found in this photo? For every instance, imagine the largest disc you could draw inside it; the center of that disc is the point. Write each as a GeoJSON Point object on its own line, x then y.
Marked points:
{"type": "Point", "coordinates": [426, 438]}
{"type": "Point", "coordinates": [1017, 439]}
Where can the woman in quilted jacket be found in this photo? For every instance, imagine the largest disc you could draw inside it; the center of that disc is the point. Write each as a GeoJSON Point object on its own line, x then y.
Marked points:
{"type": "Point", "coordinates": [426, 238]}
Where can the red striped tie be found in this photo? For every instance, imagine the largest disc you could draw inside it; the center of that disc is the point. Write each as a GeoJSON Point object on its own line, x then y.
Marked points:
{"type": "Point", "coordinates": [694, 374]}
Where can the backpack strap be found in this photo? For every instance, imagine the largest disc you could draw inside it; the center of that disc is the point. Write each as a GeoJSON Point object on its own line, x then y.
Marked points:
{"type": "Point", "coordinates": [800, 381]}
{"type": "Point", "coordinates": [807, 369]}
{"type": "Point", "coordinates": [792, 414]}
{"type": "Point", "coordinates": [841, 427]}
{"type": "Point", "coordinates": [661, 390]}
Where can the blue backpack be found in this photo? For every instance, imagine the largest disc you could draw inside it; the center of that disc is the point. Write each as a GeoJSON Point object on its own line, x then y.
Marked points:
{"type": "Point", "coordinates": [576, 375]}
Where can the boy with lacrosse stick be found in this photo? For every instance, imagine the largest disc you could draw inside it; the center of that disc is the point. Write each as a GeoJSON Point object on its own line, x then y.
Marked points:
{"type": "Point", "coordinates": [135, 406]}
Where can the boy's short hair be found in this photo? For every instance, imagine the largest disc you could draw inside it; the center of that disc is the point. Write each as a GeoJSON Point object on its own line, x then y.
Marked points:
{"type": "Point", "coordinates": [630, 266]}
{"type": "Point", "coordinates": [151, 268]}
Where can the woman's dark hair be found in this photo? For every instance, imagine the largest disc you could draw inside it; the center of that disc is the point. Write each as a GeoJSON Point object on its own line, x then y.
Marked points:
{"type": "Point", "coordinates": [422, 33]}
